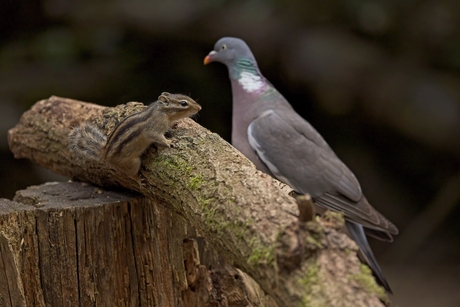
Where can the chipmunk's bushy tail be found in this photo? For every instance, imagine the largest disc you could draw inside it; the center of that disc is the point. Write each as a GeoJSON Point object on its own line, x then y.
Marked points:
{"type": "Point", "coordinates": [87, 142]}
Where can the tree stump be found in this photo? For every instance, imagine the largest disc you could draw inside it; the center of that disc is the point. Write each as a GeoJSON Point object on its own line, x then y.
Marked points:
{"type": "Point", "coordinates": [73, 244]}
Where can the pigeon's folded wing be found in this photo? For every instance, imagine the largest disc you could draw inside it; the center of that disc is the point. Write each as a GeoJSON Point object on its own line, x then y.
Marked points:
{"type": "Point", "coordinates": [308, 168]}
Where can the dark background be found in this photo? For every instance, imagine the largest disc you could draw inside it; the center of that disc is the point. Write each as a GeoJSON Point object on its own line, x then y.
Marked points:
{"type": "Point", "coordinates": [380, 80]}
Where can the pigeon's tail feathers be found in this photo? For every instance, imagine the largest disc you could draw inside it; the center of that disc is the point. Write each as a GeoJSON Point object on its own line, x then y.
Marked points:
{"type": "Point", "coordinates": [357, 233]}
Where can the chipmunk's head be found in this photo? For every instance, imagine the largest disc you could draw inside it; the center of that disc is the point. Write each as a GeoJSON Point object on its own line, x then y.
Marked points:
{"type": "Point", "coordinates": [178, 105]}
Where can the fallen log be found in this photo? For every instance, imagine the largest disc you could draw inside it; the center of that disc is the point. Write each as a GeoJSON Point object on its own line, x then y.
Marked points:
{"type": "Point", "coordinates": [244, 214]}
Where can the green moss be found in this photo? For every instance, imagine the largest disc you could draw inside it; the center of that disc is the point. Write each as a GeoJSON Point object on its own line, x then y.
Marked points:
{"type": "Point", "coordinates": [311, 276]}
{"type": "Point", "coordinates": [313, 242]}
{"type": "Point", "coordinates": [334, 217]}
{"type": "Point", "coordinates": [312, 287]}
{"type": "Point", "coordinates": [164, 167]}
{"type": "Point", "coordinates": [240, 230]}
{"type": "Point", "coordinates": [261, 254]}
{"type": "Point", "coordinates": [217, 222]}
{"type": "Point", "coordinates": [209, 212]}
{"type": "Point", "coordinates": [211, 216]}
{"type": "Point", "coordinates": [367, 281]}
{"type": "Point", "coordinates": [177, 164]}
{"type": "Point", "coordinates": [315, 235]}
{"type": "Point", "coordinates": [195, 182]}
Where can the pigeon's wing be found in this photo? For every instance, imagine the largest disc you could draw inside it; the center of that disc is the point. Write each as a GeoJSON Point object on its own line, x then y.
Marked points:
{"type": "Point", "coordinates": [298, 161]}
{"type": "Point", "coordinates": [376, 225]}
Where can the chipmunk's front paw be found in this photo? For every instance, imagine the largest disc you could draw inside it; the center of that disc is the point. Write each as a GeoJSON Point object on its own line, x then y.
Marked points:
{"type": "Point", "coordinates": [164, 143]}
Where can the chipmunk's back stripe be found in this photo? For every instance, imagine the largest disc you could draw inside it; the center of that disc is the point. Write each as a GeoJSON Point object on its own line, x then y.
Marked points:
{"type": "Point", "coordinates": [126, 124]}
{"type": "Point", "coordinates": [132, 136]}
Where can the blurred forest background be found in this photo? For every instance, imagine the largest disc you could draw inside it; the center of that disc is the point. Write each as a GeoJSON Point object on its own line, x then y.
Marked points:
{"type": "Point", "coordinates": [380, 80]}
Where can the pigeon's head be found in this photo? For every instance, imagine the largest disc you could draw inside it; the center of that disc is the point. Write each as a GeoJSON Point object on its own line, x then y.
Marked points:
{"type": "Point", "coordinates": [227, 50]}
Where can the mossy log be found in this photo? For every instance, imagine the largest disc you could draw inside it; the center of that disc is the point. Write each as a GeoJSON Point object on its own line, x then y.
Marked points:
{"type": "Point", "coordinates": [247, 216]}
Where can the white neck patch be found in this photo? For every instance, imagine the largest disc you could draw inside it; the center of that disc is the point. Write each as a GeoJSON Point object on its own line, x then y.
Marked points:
{"type": "Point", "coordinates": [250, 82]}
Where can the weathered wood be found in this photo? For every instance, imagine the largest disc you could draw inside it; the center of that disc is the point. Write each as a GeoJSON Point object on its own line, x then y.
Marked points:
{"type": "Point", "coordinates": [246, 215]}
{"type": "Point", "coordinates": [73, 244]}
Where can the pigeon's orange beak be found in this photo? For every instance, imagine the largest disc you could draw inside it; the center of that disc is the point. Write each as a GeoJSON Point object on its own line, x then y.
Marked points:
{"type": "Point", "coordinates": [208, 58]}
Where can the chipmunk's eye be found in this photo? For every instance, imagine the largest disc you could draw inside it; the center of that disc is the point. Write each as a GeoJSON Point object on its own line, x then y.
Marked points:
{"type": "Point", "coordinates": [184, 103]}
{"type": "Point", "coordinates": [223, 47]}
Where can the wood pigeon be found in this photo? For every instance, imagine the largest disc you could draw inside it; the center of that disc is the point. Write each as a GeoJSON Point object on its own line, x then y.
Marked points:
{"type": "Point", "coordinates": [267, 130]}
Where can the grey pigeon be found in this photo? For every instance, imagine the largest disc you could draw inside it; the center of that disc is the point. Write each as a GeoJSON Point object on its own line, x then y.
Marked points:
{"type": "Point", "coordinates": [268, 131]}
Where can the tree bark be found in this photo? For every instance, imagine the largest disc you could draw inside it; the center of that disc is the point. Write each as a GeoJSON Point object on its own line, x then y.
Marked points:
{"type": "Point", "coordinates": [73, 244]}
{"type": "Point", "coordinates": [246, 215]}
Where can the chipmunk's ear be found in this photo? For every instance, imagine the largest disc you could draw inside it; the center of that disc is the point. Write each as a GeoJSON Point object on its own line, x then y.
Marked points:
{"type": "Point", "coordinates": [163, 97]}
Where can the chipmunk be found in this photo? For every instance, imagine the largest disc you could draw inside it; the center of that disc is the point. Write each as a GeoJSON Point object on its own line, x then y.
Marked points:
{"type": "Point", "coordinates": [134, 134]}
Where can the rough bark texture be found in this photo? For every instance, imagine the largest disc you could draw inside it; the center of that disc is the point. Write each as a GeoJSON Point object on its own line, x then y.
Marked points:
{"type": "Point", "coordinates": [246, 215]}
{"type": "Point", "coordinates": [73, 244]}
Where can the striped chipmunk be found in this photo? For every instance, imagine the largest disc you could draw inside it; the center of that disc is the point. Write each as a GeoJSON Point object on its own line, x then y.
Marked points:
{"type": "Point", "coordinates": [133, 135]}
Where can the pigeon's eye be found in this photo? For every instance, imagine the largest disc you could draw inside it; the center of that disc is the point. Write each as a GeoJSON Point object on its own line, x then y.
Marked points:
{"type": "Point", "coordinates": [223, 47]}
{"type": "Point", "coordinates": [184, 103]}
